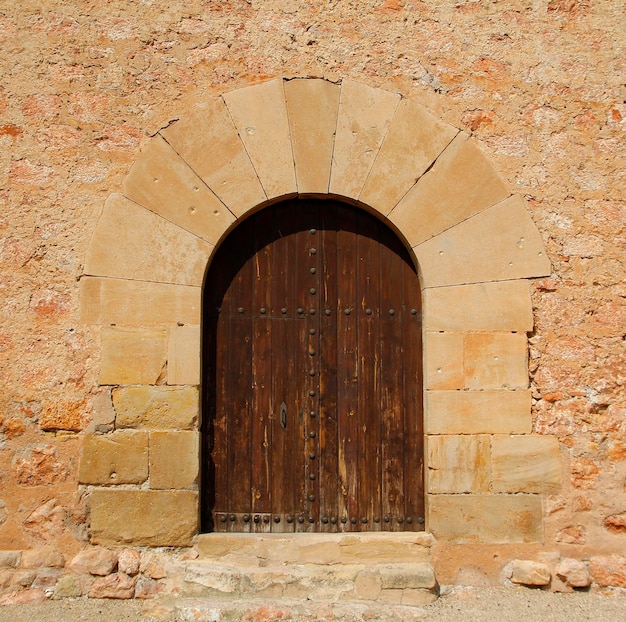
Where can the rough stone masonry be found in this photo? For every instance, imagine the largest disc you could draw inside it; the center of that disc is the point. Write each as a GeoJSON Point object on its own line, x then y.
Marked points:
{"type": "Point", "coordinates": [87, 86]}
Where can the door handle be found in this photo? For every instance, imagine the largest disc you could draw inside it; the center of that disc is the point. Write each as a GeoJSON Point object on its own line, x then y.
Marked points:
{"type": "Point", "coordinates": [283, 415]}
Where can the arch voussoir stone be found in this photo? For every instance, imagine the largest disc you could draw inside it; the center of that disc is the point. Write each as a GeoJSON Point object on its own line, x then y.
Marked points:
{"type": "Point", "coordinates": [476, 247]}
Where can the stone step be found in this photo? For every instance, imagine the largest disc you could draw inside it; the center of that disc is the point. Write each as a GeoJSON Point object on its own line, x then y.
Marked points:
{"type": "Point", "coordinates": [271, 549]}
{"type": "Point", "coordinates": [395, 583]}
{"type": "Point", "coordinates": [285, 610]}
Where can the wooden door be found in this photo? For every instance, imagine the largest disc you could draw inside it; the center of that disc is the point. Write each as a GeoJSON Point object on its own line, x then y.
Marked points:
{"type": "Point", "coordinates": [312, 375]}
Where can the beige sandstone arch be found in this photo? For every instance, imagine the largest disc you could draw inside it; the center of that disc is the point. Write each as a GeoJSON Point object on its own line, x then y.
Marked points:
{"type": "Point", "coordinates": [474, 242]}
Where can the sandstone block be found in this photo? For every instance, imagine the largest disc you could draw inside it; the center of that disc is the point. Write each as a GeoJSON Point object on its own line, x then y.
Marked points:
{"type": "Point", "coordinates": [485, 518]}
{"type": "Point", "coordinates": [414, 140]}
{"type": "Point", "coordinates": [118, 458]}
{"type": "Point", "coordinates": [513, 248]}
{"type": "Point", "coordinates": [418, 597]}
{"type": "Point", "coordinates": [23, 597]}
{"type": "Point", "coordinates": [163, 182]}
{"type": "Point", "coordinates": [42, 558]}
{"type": "Point", "coordinates": [146, 588]}
{"type": "Point", "coordinates": [403, 576]}
{"type": "Point", "coordinates": [152, 565]}
{"type": "Point", "coordinates": [46, 579]}
{"type": "Point", "coordinates": [132, 356]}
{"type": "Point", "coordinates": [528, 572]}
{"type": "Point", "coordinates": [150, 407]}
{"type": "Point", "coordinates": [478, 412]}
{"type": "Point", "coordinates": [63, 415]}
{"type": "Point", "coordinates": [144, 517]}
{"type": "Point", "coordinates": [137, 303]}
{"type": "Point", "coordinates": [363, 119]}
{"type": "Point", "coordinates": [260, 116]}
{"type": "Point", "coordinates": [183, 355]}
{"type": "Point", "coordinates": [174, 459]}
{"type": "Point", "coordinates": [117, 585]}
{"type": "Point", "coordinates": [444, 361]}
{"type": "Point", "coordinates": [461, 183]}
{"type": "Point", "coordinates": [95, 561]}
{"type": "Point", "coordinates": [574, 572]}
{"type": "Point", "coordinates": [497, 306]}
{"type": "Point", "coordinates": [528, 463]}
{"type": "Point", "coordinates": [129, 561]}
{"type": "Point", "coordinates": [608, 570]}
{"type": "Point", "coordinates": [367, 585]}
{"type": "Point", "coordinates": [457, 464]}
{"type": "Point", "coordinates": [207, 140]}
{"type": "Point", "coordinates": [103, 418]}
{"type": "Point", "coordinates": [495, 361]}
{"type": "Point", "coordinates": [312, 109]}
{"type": "Point", "coordinates": [142, 241]}
{"type": "Point", "coordinates": [69, 586]}
{"type": "Point", "coordinates": [10, 559]}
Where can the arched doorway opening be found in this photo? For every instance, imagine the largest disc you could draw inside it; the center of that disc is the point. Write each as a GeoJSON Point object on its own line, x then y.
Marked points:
{"type": "Point", "coordinates": [312, 375]}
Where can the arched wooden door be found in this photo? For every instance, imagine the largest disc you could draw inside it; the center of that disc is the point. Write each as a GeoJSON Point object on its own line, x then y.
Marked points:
{"type": "Point", "coordinates": [312, 415]}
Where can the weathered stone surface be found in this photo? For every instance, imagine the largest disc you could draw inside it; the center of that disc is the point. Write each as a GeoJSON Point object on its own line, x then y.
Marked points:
{"type": "Point", "coordinates": [528, 572]}
{"type": "Point", "coordinates": [485, 518]}
{"type": "Point", "coordinates": [146, 588]}
{"type": "Point", "coordinates": [368, 584]}
{"type": "Point", "coordinates": [69, 586]}
{"type": "Point", "coordinates": [118, 458]}
{"type": "Point", "coordinates": [149, 407]}
{"type": "Point", "coordinates": [23, 597]}
{"type": "Point", "coordinates": [95, 561]}
{"type": "Point", "coordinates": [260, 116]}
{"type": "Point", "coordinates": [41, 558]}
{"type": "Point", "coordinates": [46, 579]}
{"type": "Point", "coordinates": [10, 559]}
{"type": "Point", "coordinates": [608, 570]}
{"type": "Point", "coordinates": [164, 183]}
{"type": "Point", "coordinates": [457, 464]}
{"type": "Point", "coordinates": [312, 109]}
{"type": "Point", "coordinates": [144, 517]}
{"type": "Point", "coordinates": [495, 361]}
{"type": "Point", "coordinates": [153, 565]}
{"type": "Point", "coordinates": [444, 360]}
{"type": "Point", "coordinates": [527, 463]}
{"type": "Point", "coordinates": [463, 254]}
{"type": "Point", "coordinates": [132, 356]}
{"type": "Point", "coordinates": [128, 561]}
{"type": "Point", "coordinates": [498, 306]}
{"type": "Point", "coordinates": [414, 140]}
{"type": "Point", "coordinates": [63, 415]}
{"type": "Point", "coordinates": [208, 141]}
{"type": "Point", "coordinates": [461, 183]}
{"type": "Point", "coordinates": [412, 576]}
{"type": "Point", "coordinates": [117, 585]}
{"type": "Point", "coordinates": [174, 460]}
{"type": "Point", "coordinates": [478, 412]}
{"type": "Point", "coordinates": [141, 240]}
{"type": "Point", "coordinates": [137, 303]}
{"type": "Point", "coordinates": [46, 521]}
{"type": "Point", "coordinates": [574, 572]}
{"type": "Point", "coordinates": [363, 120]}
{"type": "Point", "coordinates": [38, 465]}
{"type": "Point", "coordinates": [183, 355]}
{"type": "Point", "coordinates": [103, 418]}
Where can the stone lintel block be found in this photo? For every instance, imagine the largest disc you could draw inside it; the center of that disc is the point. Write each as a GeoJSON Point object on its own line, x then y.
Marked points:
{"type": "Point", "coordinates": [118, 458]}
{"type": "Point", "coordinates": [478, 412]}
{"type": "Point", "coordinates": [183, 355]}
{"type": "Point", "coordinates": [363, 120]}
{"type": "Point", "coordinates": [138, 303]}
{"type": "Point", "coordinates": [496, 306]}
{"type": "Point", "coordinates": [144, 517]}
{"type": "Point", "coordinates": [461, 183]}
{"type": "Point", "coordinates": [444, 361]}
{"type": "Point", "coordinates": [525, 463]}
{"type": "Point", "coordinates": [260, 116]}
{"type": "Point", "coordinates": [312, 109]}
{"type": "Point", "coordinates": [174, 460]}
{"type": "Point", "coordinates": [403, 576]}
{"type": "Point", "coordinates": [132, 242]}
{"type": "Point", "coordinates": [414, 140]}
{"type": "Point", "coordinates": [207, 140]}
{"type": "Point", "coordinates": [495, 361]}
{"type": "Point", "coordinates": [132, 355]}
{"type": "Point", "coordinates": [512, 249]}
{"type": "Point", "coordinates": [150, 407]}
{"type": "Point", "coordinates": [164, 183]}
{"type": "Point", "coordinates": [485, 518]}
{"type": "Point", "coordinates": [458, 464]}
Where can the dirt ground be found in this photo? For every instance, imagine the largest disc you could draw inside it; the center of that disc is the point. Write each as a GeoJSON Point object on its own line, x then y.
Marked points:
{"type": "Point", "coordinates": [457, 605]}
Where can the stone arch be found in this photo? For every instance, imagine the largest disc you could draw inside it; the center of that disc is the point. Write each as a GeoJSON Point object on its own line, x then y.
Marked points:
{"type": "Point", "coordinates": [474, 242]}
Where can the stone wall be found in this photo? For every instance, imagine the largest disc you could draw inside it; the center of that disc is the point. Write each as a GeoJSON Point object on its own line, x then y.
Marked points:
{"type": "Point", "coordinates": [84, 89]}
